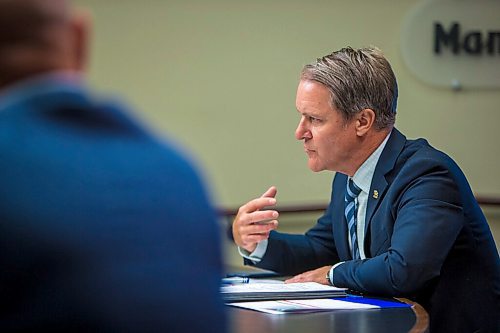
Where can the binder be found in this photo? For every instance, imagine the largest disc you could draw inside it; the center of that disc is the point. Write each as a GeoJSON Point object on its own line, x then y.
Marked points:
{"type": "Point", "coordinates": [277, 290]}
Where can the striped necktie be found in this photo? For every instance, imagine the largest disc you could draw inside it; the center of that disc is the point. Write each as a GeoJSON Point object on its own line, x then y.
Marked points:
{"type": "Point", "coordinates": [351, 193]}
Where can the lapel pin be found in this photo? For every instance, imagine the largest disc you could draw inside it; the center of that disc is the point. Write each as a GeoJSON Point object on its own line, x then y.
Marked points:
{"type": "Point", "coordinates": [375, 194]}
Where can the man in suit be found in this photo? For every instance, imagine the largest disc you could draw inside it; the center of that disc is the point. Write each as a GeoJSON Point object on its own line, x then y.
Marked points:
{"type": "Point", "coordinates": [104, 227]}
{"type": "Point", "coordinates": [402, 220]}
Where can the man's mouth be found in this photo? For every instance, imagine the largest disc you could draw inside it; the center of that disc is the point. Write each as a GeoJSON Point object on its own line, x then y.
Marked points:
{"type": "Point", "coordinates": [309, 151]}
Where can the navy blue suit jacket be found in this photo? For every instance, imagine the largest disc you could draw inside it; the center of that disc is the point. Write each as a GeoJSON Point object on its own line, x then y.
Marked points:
{"type": "Point", "coordinates": [102, 226]}
{"type": "Point", "coordinates": [426, 239]}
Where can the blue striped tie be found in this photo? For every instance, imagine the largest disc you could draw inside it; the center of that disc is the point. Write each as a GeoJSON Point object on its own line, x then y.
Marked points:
{"type": "Point", "coordinates": [351, 193]}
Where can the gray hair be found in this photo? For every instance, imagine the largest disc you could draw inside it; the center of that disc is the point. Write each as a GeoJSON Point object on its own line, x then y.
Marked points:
{"type": "Point", "coordinates": [358, 79]}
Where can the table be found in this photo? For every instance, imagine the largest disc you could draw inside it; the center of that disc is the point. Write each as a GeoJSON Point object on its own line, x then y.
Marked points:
{"type": "Point", "coordinates": [394, 320]}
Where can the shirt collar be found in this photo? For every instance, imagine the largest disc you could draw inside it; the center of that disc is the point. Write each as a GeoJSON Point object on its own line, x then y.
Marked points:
{"type": "Point", "coordinates": [39, 84]}
{"type": "Point", "coordinates": [363, 176]}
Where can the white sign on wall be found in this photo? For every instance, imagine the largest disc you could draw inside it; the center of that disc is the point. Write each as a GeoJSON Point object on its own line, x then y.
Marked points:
{"type": "Point", "coordinates": [454, 43]}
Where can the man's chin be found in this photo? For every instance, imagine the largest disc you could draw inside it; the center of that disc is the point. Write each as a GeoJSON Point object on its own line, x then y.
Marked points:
{"type": "Point", "coordinates": [314, 167]}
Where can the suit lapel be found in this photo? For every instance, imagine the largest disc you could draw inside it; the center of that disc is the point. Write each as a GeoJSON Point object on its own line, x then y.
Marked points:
{"type": "Point", "coordinates": [340, 232]}
{"type": "Point", "coordinates": [385, 164]}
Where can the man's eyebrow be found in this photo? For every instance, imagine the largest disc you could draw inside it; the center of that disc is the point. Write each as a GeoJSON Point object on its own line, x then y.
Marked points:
{"type": "Point", "coordinates": [309, 114]}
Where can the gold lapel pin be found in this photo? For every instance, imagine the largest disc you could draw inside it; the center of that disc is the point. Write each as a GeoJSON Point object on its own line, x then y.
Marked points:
{"type": "Point", "coordinates": [375, 194]}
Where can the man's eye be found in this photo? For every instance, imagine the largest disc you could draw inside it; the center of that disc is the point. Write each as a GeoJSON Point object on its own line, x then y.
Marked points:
{"type": "Point", "coordinates": [314, 120]}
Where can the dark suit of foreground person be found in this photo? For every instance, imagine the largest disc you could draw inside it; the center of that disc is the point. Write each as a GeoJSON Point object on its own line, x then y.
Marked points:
{"type": "Point", "coordinates": [103, 227]}
{"type": "Point", "coordinates": [425, 237]}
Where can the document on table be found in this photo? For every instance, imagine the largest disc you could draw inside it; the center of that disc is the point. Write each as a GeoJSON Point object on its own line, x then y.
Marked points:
{"type": "Point", "coordinates": [273, 290]}
{"type": "Point", "coordinates": [302, 306]}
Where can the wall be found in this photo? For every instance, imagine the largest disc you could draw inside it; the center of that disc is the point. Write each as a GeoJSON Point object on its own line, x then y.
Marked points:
{"type": "Point", "coordinates": [219, 77]}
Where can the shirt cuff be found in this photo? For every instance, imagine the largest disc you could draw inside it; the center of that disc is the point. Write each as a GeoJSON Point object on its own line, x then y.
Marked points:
{"type": "Point", "coordinates": [330, 273]}
{"type": "Point", "coordinates": [257, 254]}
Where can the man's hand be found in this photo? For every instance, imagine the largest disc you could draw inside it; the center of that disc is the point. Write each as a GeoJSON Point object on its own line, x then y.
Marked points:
{"type": "Point", "coordinates": [318, 275]}
{"type": "Point", "coordinates": [252, 224]}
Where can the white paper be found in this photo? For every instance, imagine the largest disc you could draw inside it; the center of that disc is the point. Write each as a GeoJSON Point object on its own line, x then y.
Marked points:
{"type": "Point", "coordinates": [263, 287]}
{"type": "Point", "coordinates": [301, 306]}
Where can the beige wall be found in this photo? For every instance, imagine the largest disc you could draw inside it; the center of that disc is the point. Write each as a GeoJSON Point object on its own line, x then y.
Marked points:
{"type": "Point", "coordinates": [220, 76]}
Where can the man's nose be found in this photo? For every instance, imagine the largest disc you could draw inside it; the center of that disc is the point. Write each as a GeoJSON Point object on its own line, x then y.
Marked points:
{"type": "Point", "coordinates": [302, 132]}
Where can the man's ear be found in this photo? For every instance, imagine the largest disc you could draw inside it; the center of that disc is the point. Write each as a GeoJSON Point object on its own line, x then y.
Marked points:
{"type": "Point", "coordinates": [365, 120]}
{"type": "Point", "coordinates": [80, 26]}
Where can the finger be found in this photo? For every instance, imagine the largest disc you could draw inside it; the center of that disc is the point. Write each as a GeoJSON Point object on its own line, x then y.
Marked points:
{"type": "Point", "coordinates": [295, 279]}
{"type": "Point", "coordinates": [257, 204]}
{"type": "Point", "coordinates": [270, 193]}
{"type": "Point", "coordinates": [243, 231]}
{"type": "Point", "coordinates": [303, 277]}
{"type": "Point", "coordinates": [298, 278]}
{"type": "Point", "coordinates": [262, 216]}
{"type": "Point", "coordinates": [255, 238]}
{"type": "Point", "coordinates": [256, 228]}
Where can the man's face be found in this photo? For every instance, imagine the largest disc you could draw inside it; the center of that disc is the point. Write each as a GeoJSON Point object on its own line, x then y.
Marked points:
{"type": "Point", "coordinates": [328, 138]}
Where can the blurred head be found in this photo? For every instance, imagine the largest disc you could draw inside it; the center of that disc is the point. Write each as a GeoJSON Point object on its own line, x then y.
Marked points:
{"type": "Point", "coordinates": [38, 36]}
{"type": "Point", "coordinates": [347, 103]}
{"type": "Point", "coordinates": [357, 79]}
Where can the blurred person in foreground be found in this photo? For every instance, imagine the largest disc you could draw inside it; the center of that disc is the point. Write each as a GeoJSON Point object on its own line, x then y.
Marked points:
{"type": "Point", "coordinates": [103, 227]}
{"type": "Point", "coordinates": [402, 220]}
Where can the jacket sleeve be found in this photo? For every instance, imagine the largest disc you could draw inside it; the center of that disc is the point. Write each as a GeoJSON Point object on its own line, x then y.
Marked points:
{"type": "Point", "coordinates": [289, 254]}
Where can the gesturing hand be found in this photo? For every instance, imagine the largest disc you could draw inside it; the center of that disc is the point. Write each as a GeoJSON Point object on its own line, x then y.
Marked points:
{"type": "Point", "coordinates": [252, 224]}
